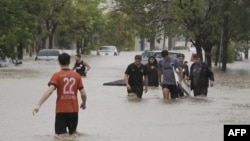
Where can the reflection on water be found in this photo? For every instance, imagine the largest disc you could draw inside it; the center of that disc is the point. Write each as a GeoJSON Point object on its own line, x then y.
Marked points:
{"type": "Point", "coordinates": [111, 115]}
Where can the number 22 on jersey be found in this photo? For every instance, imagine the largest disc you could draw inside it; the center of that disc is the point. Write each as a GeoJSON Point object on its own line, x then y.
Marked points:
{"type": "Point", "coordinates": [69, 85]}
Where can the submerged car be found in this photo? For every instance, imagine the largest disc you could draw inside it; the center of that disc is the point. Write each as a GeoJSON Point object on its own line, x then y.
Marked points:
{"type": "Point", "coordinates": [107, 51]}
{"type": "Point", "coordinates": [48, 54]}
{"type": "Point", "coordinates": [157, 54]}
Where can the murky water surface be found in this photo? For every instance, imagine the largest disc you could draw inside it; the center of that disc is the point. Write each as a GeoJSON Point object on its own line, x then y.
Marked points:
{"type": "Point", "coordinates": [111, 116]}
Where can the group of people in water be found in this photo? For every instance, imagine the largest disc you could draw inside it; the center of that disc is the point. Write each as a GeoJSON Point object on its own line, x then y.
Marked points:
{"type": "Point", "coordinates": [161, 74]}
{"type": "Point", "coordinates": [68, 81]}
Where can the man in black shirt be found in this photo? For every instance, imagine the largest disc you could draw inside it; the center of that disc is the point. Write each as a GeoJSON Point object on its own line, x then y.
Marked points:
{"type": "Point", "coordinates": [200, 74]}
{"type": "Point", "coordinates": [134, 77]}
{"type": "Point", "coordinates": [81, 67]}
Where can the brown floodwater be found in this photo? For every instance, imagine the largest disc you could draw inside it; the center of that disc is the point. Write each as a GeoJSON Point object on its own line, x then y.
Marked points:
{"type": "Point", "coordinates": [111, 116]}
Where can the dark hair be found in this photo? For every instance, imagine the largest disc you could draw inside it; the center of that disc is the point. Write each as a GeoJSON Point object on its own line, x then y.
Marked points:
{"type": "Point", "coordinates": [64, 59]}
{"type": "Point", "coordinates": [155, 61]}
{"type": "Point", "coordinates": [181, 55]}
{"type": "Point", "coordinates": [137, 57]}
{"type": "Point", "coordinates": [164, 53]}
{"type": "Point", "coordinates": [78, 55]}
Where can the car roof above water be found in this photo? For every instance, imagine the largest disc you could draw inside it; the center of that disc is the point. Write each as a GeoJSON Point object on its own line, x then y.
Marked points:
{"type": "Point", "coordinates": [49, 52]}
{"type": "Point", "coordinates": [107, 47]}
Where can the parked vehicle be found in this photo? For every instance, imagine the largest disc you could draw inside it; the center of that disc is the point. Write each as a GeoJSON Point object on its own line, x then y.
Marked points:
{"type": "Point", "coordinates": [48, 54]}
{"type": "Point", "coordinates": [157, 54]}
{"type": "Point", "coordinates": [107, 51]}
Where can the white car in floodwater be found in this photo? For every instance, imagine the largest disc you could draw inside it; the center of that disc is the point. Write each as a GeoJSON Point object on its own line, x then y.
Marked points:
{"type": "Point", "coordinates": [48, 54]}
{"type": "Point", "coordinates": [107, 51]}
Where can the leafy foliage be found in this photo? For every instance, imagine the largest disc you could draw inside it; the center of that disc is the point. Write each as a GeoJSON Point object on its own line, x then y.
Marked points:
{"type": "Point", "coordinates": [25, 23]}
{"type": "Point", "coordinates": [119, 31]}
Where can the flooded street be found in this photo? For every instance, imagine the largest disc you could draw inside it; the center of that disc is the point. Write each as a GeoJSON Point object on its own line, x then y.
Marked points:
{"type": "Point", "coordinates": [110, 116]}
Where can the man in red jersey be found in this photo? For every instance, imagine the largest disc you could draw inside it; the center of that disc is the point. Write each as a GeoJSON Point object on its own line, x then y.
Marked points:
{"type": "Point", "coordinates": [67, 83]}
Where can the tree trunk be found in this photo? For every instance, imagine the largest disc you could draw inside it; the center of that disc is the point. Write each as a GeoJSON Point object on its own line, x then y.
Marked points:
{"type": "Point", "coordinates": [85, 43]}
{"type": "Point", "coordinates": [78, 46]}
{"type": "Point", "coordinates": [142, 44]}
{"type": "Point", "coordinates": [152, 43]}
{"type": "Point", "coordinates": [199, 52]}
{"type": "Point", "coordinates": [217, 56]}
{"type": "Point", "coordinates": [170, 42]}
{"type": "Point", "coordinates": [208, 58]}
{"type": "Point", "coordinates": [164, 37]}
{"type": "Point", "coordinates": [246, 53]}
{"type": "Point", "coordinates": [225, 36]}
{"type": "Point", "coordinates": [198, 47]}
{"type": "Point", "coordinates": [20, 52]}
{"type": "Point", "coordinates": [51, 41]}
{"type": "Point", "coordinates": [186, 46]}
{"type": "Point", "coordinates": [31, 49]}
{"type": "Point", "coordinates": [81, 46]}
{"type": "Point", "coordinates": [43, 43]}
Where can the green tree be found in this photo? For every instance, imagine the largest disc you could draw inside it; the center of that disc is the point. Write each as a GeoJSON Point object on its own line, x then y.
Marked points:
{"type": "Point", "coordinates": [240, 21]}
{"type": "Point", "coordinates": [16, 28]}
{"type": "Point", "coordinates": [199, 23]}
{"type": "Point", "coordinates": [81, 23]}
{"type": "Point", "coordinates": [24, 22]}
{"type": "Point", "coordinates": [119, 31]}
{"type": "Point", "coordinates": [146, 16]}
